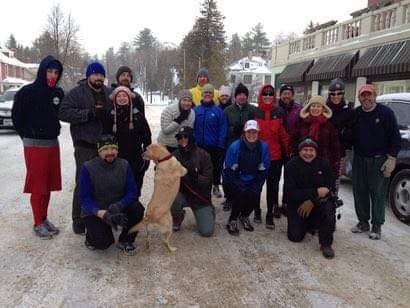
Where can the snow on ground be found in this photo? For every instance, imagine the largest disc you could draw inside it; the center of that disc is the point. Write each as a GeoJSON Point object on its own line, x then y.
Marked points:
{"type": "Point", "coordinates": [261, 269]}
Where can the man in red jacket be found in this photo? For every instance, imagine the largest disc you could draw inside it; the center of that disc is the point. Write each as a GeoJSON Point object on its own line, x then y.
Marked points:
{"type": "Point", "coordinates": [270, 118]}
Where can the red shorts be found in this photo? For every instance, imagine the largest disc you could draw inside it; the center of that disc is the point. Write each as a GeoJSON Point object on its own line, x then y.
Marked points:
{"type": "Point", "coordinates": [43, 169]}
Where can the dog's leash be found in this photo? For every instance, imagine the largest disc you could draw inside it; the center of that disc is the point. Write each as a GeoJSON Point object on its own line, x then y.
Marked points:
{"type": "Point", "coordinates": [196, 194]}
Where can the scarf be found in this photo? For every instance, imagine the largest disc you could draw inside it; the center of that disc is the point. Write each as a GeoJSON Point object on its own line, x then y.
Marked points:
{"type": "Point", "coordinates": [315, 123]}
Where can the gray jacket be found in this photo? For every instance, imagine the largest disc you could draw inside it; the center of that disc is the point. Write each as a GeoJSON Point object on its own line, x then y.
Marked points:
{"type": "Point", "coordinates": [169, 127]}
{"type": "Point", "coordinates": [78, 109]}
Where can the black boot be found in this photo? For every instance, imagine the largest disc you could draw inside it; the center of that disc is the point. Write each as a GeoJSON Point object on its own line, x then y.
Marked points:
{"type": "Point", "coordinates": [78, 227]}
{"type": "Point", "coordinates": [177, 221]}
{"type": "Point", "coordinates": [232, 227]}
{"type": "Point", "coordinates": [246, 223]}
{"type": "Point", "coordinates": [276, 211]}
{"type": "Point", "coordinates": [269, 221]}
{"type": "Point", "coordinates": [257, 216]}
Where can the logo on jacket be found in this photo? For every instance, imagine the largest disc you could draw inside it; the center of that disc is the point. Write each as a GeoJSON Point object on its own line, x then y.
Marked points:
{"type": "Point", "coordinates": [213, 114]}
{"type": "Point", "coordinates": [56, 101]}
{"type": "Point", "coordinates": [320, 172]}
{"type": "Point", "coordinates": [377, 120]}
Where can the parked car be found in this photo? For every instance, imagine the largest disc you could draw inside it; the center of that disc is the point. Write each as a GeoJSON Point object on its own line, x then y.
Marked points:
{"type": "Point", "coordinates": [5, 108]}
{"type": "Point", "coordinates": [399, 187]}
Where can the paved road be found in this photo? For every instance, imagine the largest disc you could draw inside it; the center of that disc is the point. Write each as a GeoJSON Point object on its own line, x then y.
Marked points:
{"type": "Point", "coordinates": [256, 269]}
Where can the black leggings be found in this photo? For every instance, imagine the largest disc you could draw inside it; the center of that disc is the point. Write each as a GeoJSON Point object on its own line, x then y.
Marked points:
{"type": "Point", "coordinates": [243, 203]}
{"type": "Point", "coordinates": [272, 185]}
{"type": "Point", "coordinates": [99, 234]}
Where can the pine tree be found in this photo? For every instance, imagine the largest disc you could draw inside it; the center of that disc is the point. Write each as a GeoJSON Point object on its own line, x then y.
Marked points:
{"type": "Point", "coordinates": [260, 40]}
{"type": "Point", "coordinates": [11, 42]}
{"type": "Point", "coordinates": [235, 51]}
{"type": "Point", "coordinates": [247, 43]}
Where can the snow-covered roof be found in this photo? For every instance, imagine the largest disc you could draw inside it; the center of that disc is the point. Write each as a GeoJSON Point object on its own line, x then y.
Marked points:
{"type": "Point", "coordinates": [14, 61]}
{"type": "Point", "coordinates": [13, 80]}
{"type": "Point", "coordinates": [254, 64]}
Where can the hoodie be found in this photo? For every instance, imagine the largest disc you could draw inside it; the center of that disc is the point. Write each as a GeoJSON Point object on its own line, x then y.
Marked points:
{"type": "Point", "coordinates": [270, 118]}
{"type": "Point", "coordinates": [36, 105]}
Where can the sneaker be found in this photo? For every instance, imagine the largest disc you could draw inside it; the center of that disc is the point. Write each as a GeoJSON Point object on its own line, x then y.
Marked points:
{"type": "Point", "coordinates": [89, 246]}
{"type": "Point", "coordinates": [177, 221]}
{"type": "Point", "coordinates": [257, 216]}
{"type": "Point", "coordinates": [42, 232]}
{"type": "Point", "coordinates": [376, 232]}
{"type": "Point", "coordinates": [128, 248]}
{"type": "Point", "coordinates": [232, 227]}
{"type": "Point", "coordinates": [78, 227]}
{"type": "Point", "coordinates": [246, 224]}
{"type": "Point", "coordinates": [269, 221]}
{"type": "Point", "coordinates": [276, 211]}
{"type": "Point", "coordinates": [361, 227]}
{"type": "Point", "coordinates": [227, 206]}
{"type": "Point", "coordinates": [51, 228]}
{"type": "Point", "coordinates": [328, 252]}
{"type": "Point", "coordinates": [216, 191]}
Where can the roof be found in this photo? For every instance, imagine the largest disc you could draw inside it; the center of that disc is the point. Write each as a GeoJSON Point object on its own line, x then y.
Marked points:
{"type": "Point", "coordinates": [257, 65]}
{"type": "Point", "coordinates": [13, 80]}
{"type": "Point", "coordinates": [16, 62]}
{"type": "Point", "coordinates": [295, 72]}
{"type": "Point", "coordinates": [328, 68]}
{"type": "Point", "coordinates": [386, 59]}
{"type": "Point", "coordinates": [394, 96]}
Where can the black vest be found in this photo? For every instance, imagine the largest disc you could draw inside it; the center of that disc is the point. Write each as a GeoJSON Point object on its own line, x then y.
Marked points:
{"type": "Point", "coordinates": [249, 160]}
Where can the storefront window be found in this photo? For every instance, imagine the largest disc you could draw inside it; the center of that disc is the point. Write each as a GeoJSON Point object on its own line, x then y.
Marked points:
{"type": "Point", "coordinates": [394, 86]}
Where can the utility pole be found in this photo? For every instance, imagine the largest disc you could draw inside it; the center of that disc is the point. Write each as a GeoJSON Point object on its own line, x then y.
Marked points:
{"type": "Point", "coordinates": [184, 69]}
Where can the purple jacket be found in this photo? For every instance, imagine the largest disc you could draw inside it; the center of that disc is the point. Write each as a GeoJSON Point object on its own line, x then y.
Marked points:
{"type": "Point", "coordinates": [292, 111]}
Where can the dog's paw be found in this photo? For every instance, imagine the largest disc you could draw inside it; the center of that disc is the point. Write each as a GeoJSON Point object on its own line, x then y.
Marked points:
{"type": "Point", "coordinates": [169, 247]}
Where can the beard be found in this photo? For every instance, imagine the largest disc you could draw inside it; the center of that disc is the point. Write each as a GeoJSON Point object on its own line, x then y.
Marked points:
{"type": "Point", "coordinates": [97, 84]}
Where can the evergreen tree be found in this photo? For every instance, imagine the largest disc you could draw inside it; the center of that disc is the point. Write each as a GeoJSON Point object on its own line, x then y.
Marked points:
{"type": "Point", "coordinates": [260, 40]}
{"type": "Point", "coordinates": [11, 42]}
{"type": "Point", "coordinates": [235, 51]}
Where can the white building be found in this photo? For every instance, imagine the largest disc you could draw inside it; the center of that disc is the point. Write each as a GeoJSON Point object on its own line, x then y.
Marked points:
{"type": "Point", "coordinates": [373, 46]}
{"type": "Point", "coordinates": [252, 72]}
{"type": "Point", "coordinates": [13, 72]}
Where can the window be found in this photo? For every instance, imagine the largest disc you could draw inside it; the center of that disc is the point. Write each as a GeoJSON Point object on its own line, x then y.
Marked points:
{"type": "Point", "coordinates": [268, 79]}
{"type": "Point", "coordinates": [233, 79]}
{"type": "Point", "coordinates": [247, 65]}
{"type": "Point", "coordinates": [247, 79]}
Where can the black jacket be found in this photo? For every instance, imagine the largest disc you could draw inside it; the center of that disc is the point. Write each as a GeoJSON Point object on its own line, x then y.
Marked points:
{"type": "Point", "coordinates": [302, 179]}
{"type": "Point", "coordinates": [35, 108]}
{"type": "Point", "coordinates": [78, 109]}
{"type": "Point", "coordinates": [131, 142]}
{"type": "Point", "coordinates": [137, 101]}
{"type": "Point", "coordinates": [199, 177]}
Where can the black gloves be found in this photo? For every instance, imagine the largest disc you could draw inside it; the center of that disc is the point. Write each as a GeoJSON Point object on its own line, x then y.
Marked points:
{"type": "Point", "coordinates": [184, 114]}
{"type": "Point", "coordinates": [116, 208]}
{"type": "Point", "coordinates": [115, 220]}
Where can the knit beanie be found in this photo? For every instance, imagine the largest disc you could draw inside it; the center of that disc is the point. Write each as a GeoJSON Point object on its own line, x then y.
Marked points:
{"type": "Point", "coordinates": [307, 142]}
{"type": "Point", "coordinates": [105, 141]}
{"type": "Point", "coordinates": [189, 133]}
{"type": "Point", "coordinates": [184, 94]}
{"type": "Point", "coordinates": [202, 72]}
{"type": "Point", "coordinates": [241, 88]}
{"type": "Point", "coordinates": [113, 97]}
{"type": "Point", "coordinates": [95, 68]}
{"type": "Point", "coordinates": [225, 90]}
{"type": "Point", "coordinates": [123, 69]}
{"type": "Point", "coordinates": [268, 91]}
{"type": "Point", "coordinates": [208, 88]}
{"type": "Point", "coordinates": [286, 87]}
{"type": "Point", "coordinates": [336, 85]}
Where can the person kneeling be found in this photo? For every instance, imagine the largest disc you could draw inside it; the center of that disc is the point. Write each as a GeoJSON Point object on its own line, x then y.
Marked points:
{"type": "Point", "coordinates": [195, 188]}
{"type": "Point", "coordinates": [108, 198]}
{"type": "Point", "coordinates": [245, 170]}
{"type": "Point", "coordinates": [308, 185]}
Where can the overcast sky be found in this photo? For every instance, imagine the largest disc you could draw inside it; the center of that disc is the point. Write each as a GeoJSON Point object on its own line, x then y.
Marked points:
{"type": "Point", "coordinates": [105, 24]}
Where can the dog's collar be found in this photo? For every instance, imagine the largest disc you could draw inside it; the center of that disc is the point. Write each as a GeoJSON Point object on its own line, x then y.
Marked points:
{"type": "Point", "coordinates": [165, 158]}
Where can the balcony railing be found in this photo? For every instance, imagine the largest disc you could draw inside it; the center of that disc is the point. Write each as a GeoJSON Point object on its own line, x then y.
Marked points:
{"type": "Point", "coordinates": [383, 19]}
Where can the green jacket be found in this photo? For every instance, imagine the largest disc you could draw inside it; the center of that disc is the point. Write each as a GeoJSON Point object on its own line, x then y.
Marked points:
{"type": "Point", "coordinates": [237, 118]}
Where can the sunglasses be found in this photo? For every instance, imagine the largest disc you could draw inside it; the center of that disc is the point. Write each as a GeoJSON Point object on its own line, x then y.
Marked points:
{"type": "Point", "coordinates": [336, 93]}
{"type": "Point", "coordinates": [179, 137]}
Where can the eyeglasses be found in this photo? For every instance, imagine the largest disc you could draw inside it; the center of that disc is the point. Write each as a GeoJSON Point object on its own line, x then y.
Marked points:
{"type": "Point", "coordinates": [336, 93]}
{"type": "Point", "coordinates": [179, 137]}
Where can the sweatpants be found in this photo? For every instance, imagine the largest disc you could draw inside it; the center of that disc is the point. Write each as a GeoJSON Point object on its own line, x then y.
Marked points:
{"type": "Point", "coordinates": [321, 217]}
{"type": "Point", "coordinates": [216, 158]}
{"type": "Point", "coordinates": [369, 188]}
{"type": "Point", "coordinates": [99, 234]}
{"type": "Point", "coordinates": [204, 215]}
{"type": "Point", "coordinates": [81, 155]}
{"type": "Point", "coordinates": [243, 203]}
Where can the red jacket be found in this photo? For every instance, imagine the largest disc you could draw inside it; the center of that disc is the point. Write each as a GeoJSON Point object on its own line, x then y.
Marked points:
{"type": "Point", "coordinates": [270, 118]}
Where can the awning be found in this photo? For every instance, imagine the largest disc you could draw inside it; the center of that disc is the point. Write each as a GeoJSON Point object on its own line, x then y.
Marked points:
{"type": "Point", "coordinates": [328, 68]}
{"type": "Point", "coordinates": [382, 60]}
{"type": "Point", "coordinates": [295, 72]}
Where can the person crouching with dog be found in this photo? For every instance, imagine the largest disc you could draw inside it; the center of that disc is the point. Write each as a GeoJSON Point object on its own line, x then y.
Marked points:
{"type": "Point", "coordinates": [245, 169]}
{"type": "Point", "coordinates": [311, 205]}
{"type": "Point", "coordinates": [195, 188]}
{"type": "Point", "coordinates": [108, 198]}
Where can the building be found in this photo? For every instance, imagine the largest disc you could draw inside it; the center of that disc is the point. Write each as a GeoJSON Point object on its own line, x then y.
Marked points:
{"type": "Point", "coordinates": [253, 72]}
{"type": "Point", "coordinates": [13, 72]}
{"type": "Point", "coordinates": [373, 46]}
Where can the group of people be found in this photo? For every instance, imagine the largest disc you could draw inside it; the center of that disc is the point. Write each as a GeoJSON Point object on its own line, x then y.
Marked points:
{"type": "Point", "coordinates": [221, 139]}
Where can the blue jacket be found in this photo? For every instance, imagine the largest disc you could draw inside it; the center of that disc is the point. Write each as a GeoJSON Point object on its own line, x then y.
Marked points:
{"type": "Point", "coordinates": [210, 125]}
{"type": "Point", "coordinates": [233, 174]}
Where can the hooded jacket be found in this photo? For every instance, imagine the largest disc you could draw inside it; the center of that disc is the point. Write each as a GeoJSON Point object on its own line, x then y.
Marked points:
{"type": "Point", "coordinates": [35, 108]}
{"type": "Point", "coordinates": [237, 117]}
{"type": "Point", "coordinates": [272, 130]}
{"type": "Point", "coordinates": [78, 109]}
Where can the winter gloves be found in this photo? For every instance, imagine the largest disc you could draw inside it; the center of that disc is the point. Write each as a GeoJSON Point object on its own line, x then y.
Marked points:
{"type": "Point", "coordinates": [115, 220]}
{"type": "Point", "coordinates": [388, 166]}
{"type": "Point", "coordinates": [305, 208]}
{"type": "Point", "coordinates": [183, 115]}
{"type": "Point", "coordinates": [116, 208]}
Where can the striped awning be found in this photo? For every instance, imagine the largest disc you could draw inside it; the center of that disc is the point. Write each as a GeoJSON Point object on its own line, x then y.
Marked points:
{"type": "Point", "coordinates": [295, 72]}
{"type": "Point", "coordinates": [328, 68]}
{"type": "Point", "coordinates": [386, 59]}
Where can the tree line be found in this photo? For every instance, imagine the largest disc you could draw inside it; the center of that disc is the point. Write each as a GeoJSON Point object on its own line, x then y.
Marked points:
{"type": "Point", "coordinates": [155, 64]}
